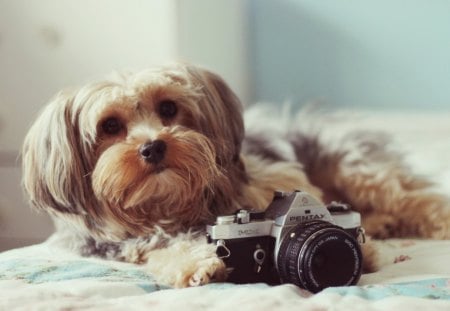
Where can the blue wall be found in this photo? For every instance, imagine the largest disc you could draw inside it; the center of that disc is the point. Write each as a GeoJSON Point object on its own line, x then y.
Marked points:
{"type": "Point", "coordinates": [352, 53]}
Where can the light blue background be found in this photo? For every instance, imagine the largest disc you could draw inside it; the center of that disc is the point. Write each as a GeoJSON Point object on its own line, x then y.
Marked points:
{"type": "Point", "coordinates": [353, 53]}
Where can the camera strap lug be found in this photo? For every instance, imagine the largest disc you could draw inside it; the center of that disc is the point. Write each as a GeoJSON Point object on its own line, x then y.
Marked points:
{"type": "Point", "coordinates": [361, 235]}
{"type": "Point", "coordinates": [222, 249]}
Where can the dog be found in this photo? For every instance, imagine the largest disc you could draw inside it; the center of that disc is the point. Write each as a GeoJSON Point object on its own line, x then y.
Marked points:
{"type": "Point", "coordinates": [132, 168]}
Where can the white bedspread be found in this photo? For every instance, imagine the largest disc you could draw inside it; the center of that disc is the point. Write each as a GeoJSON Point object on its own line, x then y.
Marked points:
{"type": "Point", "coordinates": [415, 274]}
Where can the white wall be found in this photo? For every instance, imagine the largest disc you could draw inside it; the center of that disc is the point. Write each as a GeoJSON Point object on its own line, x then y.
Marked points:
{"type": "Point", "coordinates": [46, 45]}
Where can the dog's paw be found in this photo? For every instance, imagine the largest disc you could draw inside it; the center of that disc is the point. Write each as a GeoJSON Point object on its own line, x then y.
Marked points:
{"type": "Point", "coordinates": [186, 263]}
{"type": "Point", "coordinates": [380, 226]}
{"type": "Point", "coordinates": [371, 256]}
{"type": "Point", "coordinates": [203, 272]}
{"type": "Point", "coordinates": [210, 269]}
{"type": "Point", "coordinates": [440, 229]}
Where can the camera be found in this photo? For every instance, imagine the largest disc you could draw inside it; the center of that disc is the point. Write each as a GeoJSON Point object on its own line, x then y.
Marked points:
{"type": "Point", "coordinates": [295, 240]}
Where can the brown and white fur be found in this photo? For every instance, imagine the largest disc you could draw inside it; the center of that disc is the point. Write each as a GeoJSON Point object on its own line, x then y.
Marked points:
{"type": "Point", "coordinates": [135, 166]}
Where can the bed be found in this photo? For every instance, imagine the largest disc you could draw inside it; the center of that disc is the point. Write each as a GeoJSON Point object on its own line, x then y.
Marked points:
{"type": "Point", "coordinates": [414, 274]}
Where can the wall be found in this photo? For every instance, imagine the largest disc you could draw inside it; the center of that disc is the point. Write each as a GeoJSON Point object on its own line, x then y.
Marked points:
{"type": "Point", "coordinates": [370, 54]}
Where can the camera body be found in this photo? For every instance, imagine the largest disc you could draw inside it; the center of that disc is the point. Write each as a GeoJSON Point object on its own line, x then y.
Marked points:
{"type": "Point", "coordinates": [296, 240]}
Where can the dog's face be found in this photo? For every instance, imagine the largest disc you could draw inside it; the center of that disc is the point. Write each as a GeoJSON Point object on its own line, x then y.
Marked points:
{"type": "Point", "coordinates": [123, 155]}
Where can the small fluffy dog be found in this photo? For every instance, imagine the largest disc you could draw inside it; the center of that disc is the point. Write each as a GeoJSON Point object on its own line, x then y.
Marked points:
{"type": "Point", "coordinates": [134, 167]}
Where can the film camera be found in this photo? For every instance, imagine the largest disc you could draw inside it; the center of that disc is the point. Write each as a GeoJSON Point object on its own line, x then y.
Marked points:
{"type": "Point", "coordinates": [296, 240]}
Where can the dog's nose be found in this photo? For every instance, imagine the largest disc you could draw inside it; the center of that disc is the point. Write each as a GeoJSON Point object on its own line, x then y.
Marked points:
{"type": "Point", "coordinates": [153, 152]}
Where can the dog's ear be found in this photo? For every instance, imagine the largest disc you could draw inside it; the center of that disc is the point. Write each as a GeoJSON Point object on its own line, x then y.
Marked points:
{"type": "Point", "coordinates": [55, 173]}
{"type": "Point", "coordinates": [222, 111]}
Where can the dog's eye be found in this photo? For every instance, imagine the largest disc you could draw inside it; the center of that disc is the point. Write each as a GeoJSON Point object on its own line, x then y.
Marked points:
{"type": "Point", "coordinates": [112, 126]}
{"type": "Point", "coordinates": [167, 109]}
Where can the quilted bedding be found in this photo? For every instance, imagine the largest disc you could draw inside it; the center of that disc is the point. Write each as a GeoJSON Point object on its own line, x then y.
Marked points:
{"type": "Point", "coordinates": [415, 274]}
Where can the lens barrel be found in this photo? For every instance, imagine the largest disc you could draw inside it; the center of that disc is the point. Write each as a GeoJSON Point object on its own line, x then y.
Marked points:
{"type": "Point", "coordinates": [317, 254]}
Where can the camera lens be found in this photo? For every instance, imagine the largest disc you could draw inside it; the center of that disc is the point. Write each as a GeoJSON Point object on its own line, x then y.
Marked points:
{"type": "Point", "coordinates": [315, 255]}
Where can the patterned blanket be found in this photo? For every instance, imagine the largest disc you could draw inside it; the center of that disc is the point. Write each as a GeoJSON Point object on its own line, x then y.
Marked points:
{"type": "Point", "coordinates": [415, 275]}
